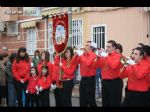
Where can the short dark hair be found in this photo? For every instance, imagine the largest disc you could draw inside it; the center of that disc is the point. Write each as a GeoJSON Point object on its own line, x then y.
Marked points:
{"type": "Point", "coordinates": [141, 44]}
{"type": "Point", "coordinates": [141, 50]}
{"type": "Point", "coordinates": [119, 46]}
{"type": "Point", "coordinates": [147, 49]}
{"type": "Point", "coordinates": [113, 43]}
{"type": "Point", "coordinates": [5, 55]}
{"type": "Point", "coordinates": [88, 41]}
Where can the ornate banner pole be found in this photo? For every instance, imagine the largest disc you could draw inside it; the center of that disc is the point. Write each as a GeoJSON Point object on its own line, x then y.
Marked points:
{"type": "Point", "coordinates": [60, 36]}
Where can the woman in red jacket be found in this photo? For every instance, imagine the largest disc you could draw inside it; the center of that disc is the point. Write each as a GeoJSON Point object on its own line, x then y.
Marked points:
{"type": "Point", "coordinates": [21, 73]}
{"type": "Point", "coordinates": [45, 62]}
{"type": "Point", "coordinates": [44, 87]}
{"type": "Point", "coordinates": [32, 92]}
{"type": "Point", "coordinates": [68, 73]}
{"type": "Point", "coordinates": [137, 83]}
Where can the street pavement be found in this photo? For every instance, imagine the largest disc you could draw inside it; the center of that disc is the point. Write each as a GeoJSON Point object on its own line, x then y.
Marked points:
{"type": "Point", "coordinates": [75, 98]}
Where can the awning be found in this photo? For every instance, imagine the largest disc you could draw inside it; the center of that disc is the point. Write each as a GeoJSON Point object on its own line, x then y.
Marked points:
{"type": "Point", "coordinates": [28, 24]}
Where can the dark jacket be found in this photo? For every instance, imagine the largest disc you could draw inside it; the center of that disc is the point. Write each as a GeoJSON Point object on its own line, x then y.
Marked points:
{"type": "Point", "coordinates": [9, 71]}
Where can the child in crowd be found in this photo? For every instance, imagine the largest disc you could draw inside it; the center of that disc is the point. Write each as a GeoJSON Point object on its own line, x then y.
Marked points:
{"type": "Point", "coordinates": [44, 87]}
{"type": "Point", "coordinates": [32, 92]}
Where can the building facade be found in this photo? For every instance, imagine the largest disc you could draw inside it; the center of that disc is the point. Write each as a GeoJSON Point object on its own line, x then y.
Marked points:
{"type": "Point", "coordinates": [126, 25]}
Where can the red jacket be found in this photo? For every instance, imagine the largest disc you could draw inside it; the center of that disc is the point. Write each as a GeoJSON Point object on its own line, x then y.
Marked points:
{"type": "Point", "coordinates": [21, 70]}
{"type": "Point", "coordinates": [136, 75]}
{"type": "Point", "coordinates": [110, 65]}
{"type": "Point", "coordinates": [55, 76]}
{"type": "Point", "coordinates": [50, 67]}
{"type": "Point", "coordinates": [68, 70]}
{"type": "Point", "coordinates": [33, 82]}
{"type": "Point", "coordinates": [86, 61]}
{"type": "Point", "coordinates": [45, 82]}
{"type": "Point", "coordinates": [147, 60]}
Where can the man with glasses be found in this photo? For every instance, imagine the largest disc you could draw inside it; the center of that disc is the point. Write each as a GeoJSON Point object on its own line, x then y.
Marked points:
{"type": "Point", "coordinates": [109, 62]}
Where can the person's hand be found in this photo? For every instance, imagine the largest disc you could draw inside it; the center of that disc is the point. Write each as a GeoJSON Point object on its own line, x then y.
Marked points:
{"type": "Point", "coordinates": [53, 86]}
{"type": "Point", "coordinates": [37, 92]}
{"type": "Point", "coordinates": [60, 64]}
{"type": "Point", "coordinates": [40, 88]}
{"type": "Point", "coordinates": [130, 61]}
{"type": "Point", "coordinates": [37, 88]}
{"type": "Point", "coordinates": [102, 53]}
{"type": "Point", "coordinates": [27, 91]}
{"type": "Point", "coordinates": [22, 81]}
{"type": "Point", "coordinates": [79, 52]}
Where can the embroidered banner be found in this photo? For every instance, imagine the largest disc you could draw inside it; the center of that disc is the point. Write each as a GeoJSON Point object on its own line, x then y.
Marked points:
{"type": "Point", "coordinates": [60, 32]}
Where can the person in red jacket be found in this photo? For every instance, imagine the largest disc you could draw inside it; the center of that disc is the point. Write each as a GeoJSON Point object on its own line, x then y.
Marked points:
{"type": "Point", "coordinates": [32, 92]}
{"type": "Point", "coordinates": [68, 73]}
{"type": "Point", "coordinates": [45, 62]}
{"type": "Point", "coordinates": [137, 83]}
{"type": "Point", "coordinates": [147, 60]}
{"type": "Point", "coordinates": [109, 62]}
{"type": "Point", "coordinates": [55, 79]}
{"type": "Point", "coordinates": [88, 73]}
{"type": "Point", "coordinates": [21, 73]}
{"type": "Point", "coordinates": [44, 87]}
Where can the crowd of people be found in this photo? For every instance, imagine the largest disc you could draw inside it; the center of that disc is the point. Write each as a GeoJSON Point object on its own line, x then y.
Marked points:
{"type": "Point", "coordinates": [33, 77]}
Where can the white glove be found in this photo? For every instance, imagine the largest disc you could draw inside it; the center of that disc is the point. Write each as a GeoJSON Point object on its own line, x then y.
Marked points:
{"type": "Point", "coordinates": [31, 64]}
{"type": "Point", "coordinates": [27, 91]}
{"type": "Point", "coordinates": [22, 81]}
{"type": "Point", "coordinates": [37, 92]}
{"type": "Point", "coordinates": [37, 88]}
{"type": "Point", "coordinates": [96, 52]}
{"type": "Point", "coordinates": [40, 88]}
{"type": "Point", "coordinates": [103, 54]}
{"type": "Point", "coordinates": [130, 62]}
{"type": "Point", "coordinates": [53, 86]}
{"type": "Point", "coordinates": [79, 52]}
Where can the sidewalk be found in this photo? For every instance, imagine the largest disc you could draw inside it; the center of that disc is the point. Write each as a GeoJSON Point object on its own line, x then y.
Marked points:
{"type": "Point", "coordinates": [75, 92]}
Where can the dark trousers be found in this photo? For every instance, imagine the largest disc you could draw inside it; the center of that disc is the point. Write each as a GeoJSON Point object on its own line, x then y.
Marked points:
{"type": "Point", "coordinates": [87, 91]}
{"type": "Point", "coordinates": [57, 95]}
{"type": "Point", "coordinates": [112, 92]}
{"type": "Point", "coordinates": [19, 86]}
{"type": "Point", "coordinates": [44, 98]}
{"type": "Point", "coordinates": [135, 98]}
{"type": "Point", "coordinates": [148, 98]}
{"type": "Point", "coordinates": [66, 93]}
{"type": "Point", "coordinates": [32, 99]}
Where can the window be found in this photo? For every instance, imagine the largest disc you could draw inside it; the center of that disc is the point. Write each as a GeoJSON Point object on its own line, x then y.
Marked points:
{"type": "Point", "coordinates": [77, 33]}
{"type": "Point", "coordinates": [12, 29]}
{"type": "Point", "coordinates": [32, 11]}
{"type": "Point", "coordinates": [31, 41]}
{"type": "Point", "coordinates": [98, 35]}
